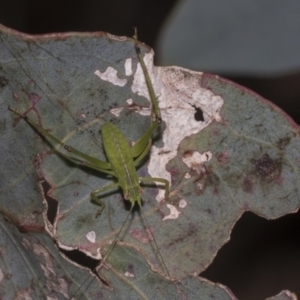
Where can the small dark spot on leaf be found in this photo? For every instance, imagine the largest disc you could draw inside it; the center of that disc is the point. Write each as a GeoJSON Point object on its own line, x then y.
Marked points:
{"type": "Point", "coordinates": [179, 239]}
{"type": "Point", "coordinates": [8, 276]}
{"type": "Point", "coordinates": [223, 157]}
{"type": "Point", "coordinates": [188, 153]}
{"type": "Point", "coordinates": [174, 172]}
{"type": "Point", "coordinates": [198, 114]}
{"type": "Point", "coordinates": [175, 175]}
{"type": "Point", "coordinates": [216, 132]}
{"type": "Point", "coordinates": [214, 181]}
{"type": "Point", "coordinates": [248, 184]}
{"type": "Point", "coordinates": [193, 228]}
{"type": "Point", "coordinates": [163, 152]}
{"type": "Point", "coordinates": [3, 82]}
{"type": "Point", "coordinates": [266, 168]}
{"type": "Point", "coordinates": [92, 132]}
{"type": "Point", "coordinates": [34, 98]}
{"type": "Point", "coordinates": [130, 268]}
{"type": "Point", "coordinates": [282, 143]}
{"type": "Point", "coordinates": [209, 211]}
{"type": "Point", "coordinates": [144, 236]}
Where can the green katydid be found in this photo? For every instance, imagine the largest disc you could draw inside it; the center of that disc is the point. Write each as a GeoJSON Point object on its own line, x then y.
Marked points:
{"type": "Point", "coordinates": [122, 158]}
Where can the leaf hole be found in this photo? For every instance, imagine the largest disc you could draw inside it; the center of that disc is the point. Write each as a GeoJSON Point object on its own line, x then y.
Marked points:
{"type": "Point", "coordinates": [82, 259]}
{"type": "Point", "coordinates": [198, 114]}
{"type": "Point", "coordinates": [52, 204]}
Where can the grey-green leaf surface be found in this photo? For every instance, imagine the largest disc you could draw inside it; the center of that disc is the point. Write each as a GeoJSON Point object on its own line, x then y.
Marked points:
{"type": "Point", "coordinates": [242, 155]}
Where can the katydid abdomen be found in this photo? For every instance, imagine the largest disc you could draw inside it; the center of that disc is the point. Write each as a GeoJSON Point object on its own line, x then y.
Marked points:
{"type": "Point", "coordinates": [119, 155]}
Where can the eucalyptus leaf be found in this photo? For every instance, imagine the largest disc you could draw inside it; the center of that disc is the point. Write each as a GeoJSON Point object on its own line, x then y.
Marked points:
{"type": "Point", "coordinates": [224, 149]}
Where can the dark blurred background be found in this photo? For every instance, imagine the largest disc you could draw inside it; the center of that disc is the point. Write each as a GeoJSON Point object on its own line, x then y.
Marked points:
{"type": "Point", "coordinates": [263, 257]}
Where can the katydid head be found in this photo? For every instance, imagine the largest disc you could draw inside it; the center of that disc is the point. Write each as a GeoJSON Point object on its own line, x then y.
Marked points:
{"type": "Point", "coordinates": [133, 195]}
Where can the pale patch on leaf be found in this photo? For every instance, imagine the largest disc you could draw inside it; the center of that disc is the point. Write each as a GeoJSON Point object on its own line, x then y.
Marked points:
{"type": "Point", "coordinates": [129, 101]}
{"type": "Point", "coordinates": [128, 274]}
{"type": "Point", "coordinates": [117, 111]}
{"type": "Point", "coordinates": [182, 203]}
{"type": "Point", "coordinates": [187, 175]}
{"type": "Point", "coordinates": [128, 66]}
{"type": "Point", "coordinates": [195, 160]}
{"type": "Point", "coordinates": [91, 236]}
{"type": "Point", "coordinates": [47, 264]}
{"type": "Point", "coordinates": [110, 75]}
{"type": "Point", "coordinates": [174, 213]}
{"type": "Point", "coordinates": [177, 102]}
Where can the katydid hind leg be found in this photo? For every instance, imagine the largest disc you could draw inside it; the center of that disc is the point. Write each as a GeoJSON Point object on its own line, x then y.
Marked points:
{"type": "Point", "coordinates": [141, 148]}
{"type": "Point", "coordinates": [165, 182]}
{"type": "Point", "coordinates": [84, 159]}
{"type": "Point", "coordinates": [156, 114]}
